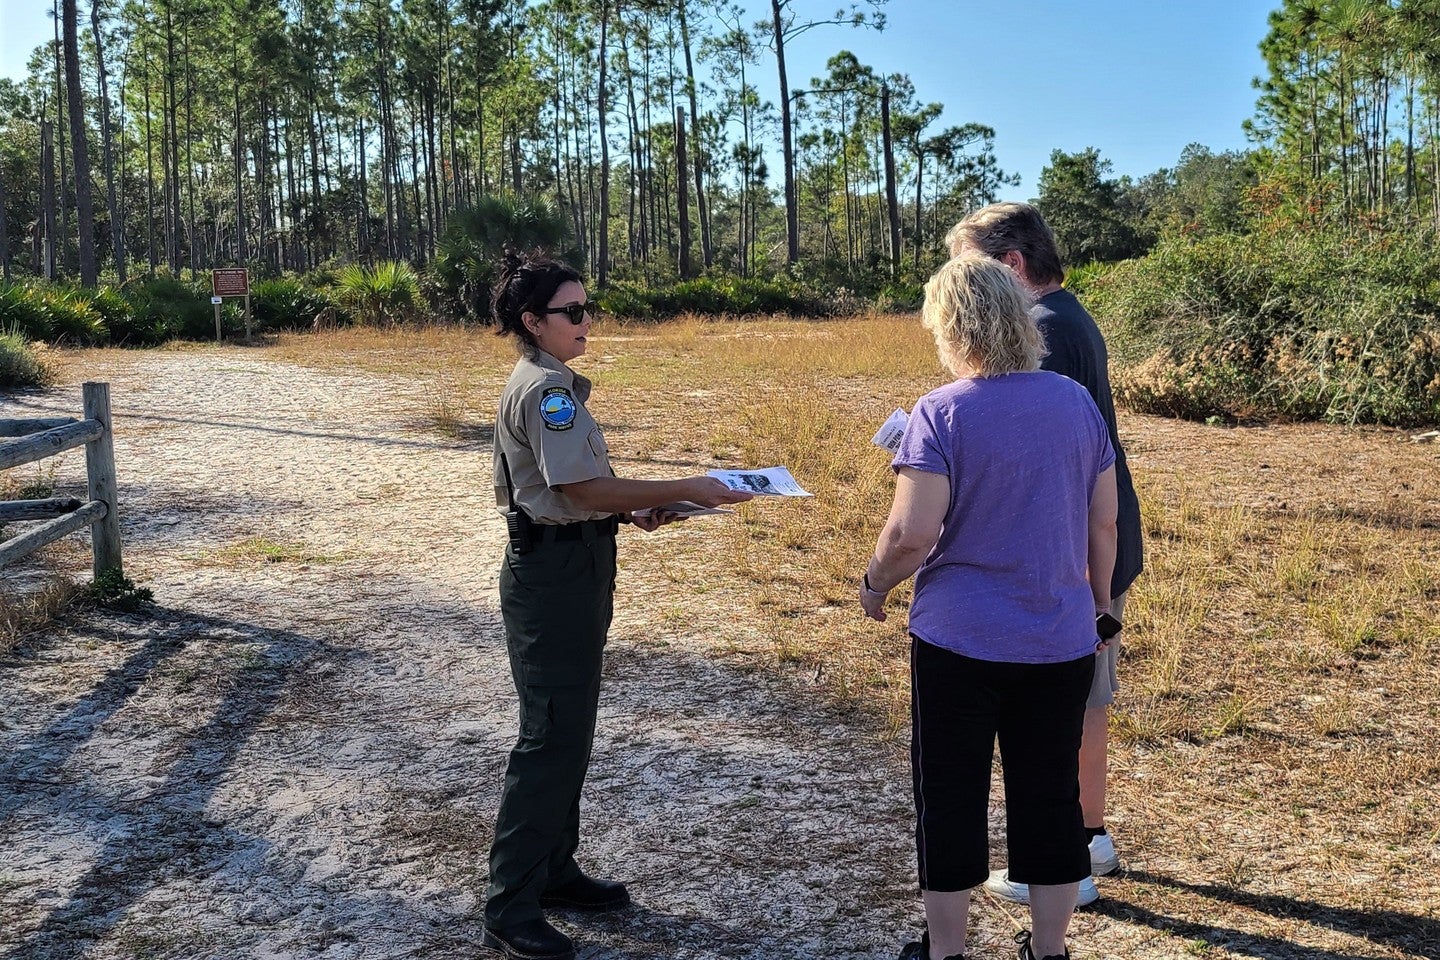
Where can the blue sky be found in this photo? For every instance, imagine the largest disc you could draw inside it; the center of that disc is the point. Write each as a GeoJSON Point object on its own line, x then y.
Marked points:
{"type": "Point", "coordinates": [1137, 79]}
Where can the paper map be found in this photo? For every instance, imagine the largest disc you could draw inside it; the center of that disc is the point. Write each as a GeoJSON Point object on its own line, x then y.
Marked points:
{"type": "Point", "coordinates": [769, 482]}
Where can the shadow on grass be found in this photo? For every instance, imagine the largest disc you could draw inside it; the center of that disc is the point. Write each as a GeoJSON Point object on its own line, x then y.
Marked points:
{"type": "Point", "coordinates": [1383, 518]}
{"type": "Point", "coordinates": [1402, 931]}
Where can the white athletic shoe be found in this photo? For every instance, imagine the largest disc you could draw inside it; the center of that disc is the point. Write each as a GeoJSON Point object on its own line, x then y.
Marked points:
{"type": "Point", "coordinates": [1103, 859]}
{"type": "Point", "coordinates": [1003, 887]}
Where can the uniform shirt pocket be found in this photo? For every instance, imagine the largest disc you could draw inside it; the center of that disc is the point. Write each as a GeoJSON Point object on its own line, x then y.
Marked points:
{"type": "Point", "coordinates": [597, 444]}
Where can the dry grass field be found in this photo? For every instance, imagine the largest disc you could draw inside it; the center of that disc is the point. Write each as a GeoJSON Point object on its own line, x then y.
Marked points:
{"type": "Point", "coordinates": [1276, 780]}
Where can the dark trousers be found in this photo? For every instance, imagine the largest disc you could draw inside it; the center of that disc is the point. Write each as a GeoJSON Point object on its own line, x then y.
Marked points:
{"type": "Point", "coordinates": [959, 706]}
{"type": "Point", "coordinates": [556, 601]}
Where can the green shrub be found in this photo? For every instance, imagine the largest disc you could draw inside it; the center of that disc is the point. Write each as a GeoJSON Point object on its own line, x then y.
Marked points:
{"type": "Point", "coordinates": [117, 591]}
{"type": "Point", "coordinates": [19, 366]}
{"type": "Point", "coordinates": [1320, 325]}
{"type": "Point", "coordinates": [286, 304]}
{"type": "Point", "coordinates": [22, 313]}
{"type": "Point", "coordinates": [114, 311]}
{"type": "Point", "coordinates": [166, 309]}
{"type": "Point", "coordinates": [1078, 280]}
{"type": "Point", "coordinates": [73, 318]}
{"type": "Point", "coordinates": [52, 313]}
{"type": "Point", "coordinates": [718, 294]}
{"type": "Point", "coordinates": [900, 298]}
{"type": "Point", "coordinates": [631, 301]}
{"type": "Point", "coordinates": [385, 294]}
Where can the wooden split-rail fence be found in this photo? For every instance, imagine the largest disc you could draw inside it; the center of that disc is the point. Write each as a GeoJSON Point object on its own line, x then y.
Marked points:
{"type": "Point", "coordinates": [36, 439]}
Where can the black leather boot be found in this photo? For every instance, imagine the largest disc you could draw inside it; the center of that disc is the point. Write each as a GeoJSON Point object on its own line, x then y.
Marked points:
{"type": "Point", "coordinates": [529, 940]}
{"type": "Point", "coordinates": [587, 893]}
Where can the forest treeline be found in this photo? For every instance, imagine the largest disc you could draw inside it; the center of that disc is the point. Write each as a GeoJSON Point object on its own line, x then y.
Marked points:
{"type": "Point", "coordinates": [372, 155]}
{"type": "Point", "coordinates": [294, 134]}
{"type": "Point", "coordinates": [291, 134]}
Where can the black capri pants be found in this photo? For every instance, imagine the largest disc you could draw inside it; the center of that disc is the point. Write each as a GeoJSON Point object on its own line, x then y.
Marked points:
{"type": "Point", "coordinates": [959, 706]}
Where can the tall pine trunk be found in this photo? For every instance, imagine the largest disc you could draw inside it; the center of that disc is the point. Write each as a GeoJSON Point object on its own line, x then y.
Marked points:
{"type": "Point", "coordinates": [919, 202]}
{"type": "Point", "coordinates": [603, 257]}
{"type": "Point", "coordinates": [682, 203]}
{"type": "Point", "coordinates": [191, 234]}
{"type": "Point", "coordinates": [4, 233]}
{"type": "Point", "coordinates": [319, 228]}
{"type": "Point", "coordinates": [48, 203]}
{"type": "Point", "coordinates": [892, 202]}
{"type": "Point", "coordinates": [238, 148]}
{"type": "Point", "coordinates": [170, 152]}
{"type": "Point", "coordinates": [61, 243]}
{"type": "Point", "coordinates": [792, 207]}
{"type": "Point", "coordinates": [152, 254]}
{"type": "Point", "coordinates": [117, 224]}
{"type": "Point", "coordinates": [699, 150]}
{"type": "Point", "coordinates": [84, 203]}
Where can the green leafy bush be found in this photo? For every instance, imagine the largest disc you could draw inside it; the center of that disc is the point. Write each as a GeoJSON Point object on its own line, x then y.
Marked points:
{"type": "Point", "coordinates": [286, 303]}
{"type": "Point", "coordinates": [19, 366]}
{"type": "Point", "coordinates": [629, 301]}
{"type": "Point", "coordinates": [1319, 325]}
{"type": "Point", "coordinates": [73, 317]}
{"type": "Point", "coordinates": [51, 313]}
{"type": "Point", "coordinates": [117, 591]}
{"type": "Point", "coordinates": [385, 294]}
{"type": "Point", "coordinates": [113, 310]}
{"type": "Point", "coordinates": [164, 308]}
{"type": "Point", "coordinates": [719, 294]}
{"type": "Point", "coordinates": [21, 313]}
{"type": "Point", "coordinates": [1078, 280]}
{"type": "Point", "coordinates": [900, 297]}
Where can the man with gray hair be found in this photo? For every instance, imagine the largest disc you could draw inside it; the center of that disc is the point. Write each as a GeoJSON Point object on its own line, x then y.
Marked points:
{"type": "Point", "coordinates": [1017, 235]}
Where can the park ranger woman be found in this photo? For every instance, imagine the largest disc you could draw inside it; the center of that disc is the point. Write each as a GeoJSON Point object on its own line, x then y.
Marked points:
{"type": "Point", "coordinates": [563, 505]}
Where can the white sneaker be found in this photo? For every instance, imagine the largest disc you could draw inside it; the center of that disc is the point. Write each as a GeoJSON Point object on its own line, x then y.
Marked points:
{"type": "Point", "coordinates": [1004, 888]}
{"type": "Point", "coordinates": [1103, 859]}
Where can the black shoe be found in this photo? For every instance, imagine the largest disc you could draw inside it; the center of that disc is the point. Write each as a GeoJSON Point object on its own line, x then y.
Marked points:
{"type": "Point", "coordinates": [921, 950]}
{"type": "Point", "coordinates": [587, 893]}
{"type": "Point", "coordinates": [1023, 938]}
{"type": "Point", "coordinates": [530, 940]}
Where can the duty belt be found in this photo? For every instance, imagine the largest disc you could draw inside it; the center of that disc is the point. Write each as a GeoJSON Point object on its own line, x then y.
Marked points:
{"type": "Point", "coordinates": [586, 530]}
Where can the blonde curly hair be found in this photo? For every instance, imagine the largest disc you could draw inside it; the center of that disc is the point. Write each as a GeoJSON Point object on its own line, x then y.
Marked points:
{"type": "Point", "coordinates": [979, 314]}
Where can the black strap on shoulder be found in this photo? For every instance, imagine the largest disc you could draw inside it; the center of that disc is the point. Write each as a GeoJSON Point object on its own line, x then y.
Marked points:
{"type": "Point", "coordinates": [509, 484]}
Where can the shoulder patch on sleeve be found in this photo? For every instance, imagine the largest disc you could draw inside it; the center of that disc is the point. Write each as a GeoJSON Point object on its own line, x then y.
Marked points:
{"type": "Point", "coordinates": [557, 408]}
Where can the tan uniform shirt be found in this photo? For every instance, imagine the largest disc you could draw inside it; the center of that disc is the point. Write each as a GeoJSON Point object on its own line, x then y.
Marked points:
{"type": "Point", "coordinates": [548, 439]}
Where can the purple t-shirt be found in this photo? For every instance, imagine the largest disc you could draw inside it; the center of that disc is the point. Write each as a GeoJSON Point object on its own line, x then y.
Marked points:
{"type": "Point", "coordinates": [1006, 581]}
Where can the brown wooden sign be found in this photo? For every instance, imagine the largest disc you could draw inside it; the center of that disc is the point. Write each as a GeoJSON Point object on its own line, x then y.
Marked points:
{"type": "Point", "coordinates": [230, 282]}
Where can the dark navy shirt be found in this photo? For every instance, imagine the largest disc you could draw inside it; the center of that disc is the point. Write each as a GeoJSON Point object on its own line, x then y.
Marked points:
{"type": "Point", "coordinates": [1077, 350]}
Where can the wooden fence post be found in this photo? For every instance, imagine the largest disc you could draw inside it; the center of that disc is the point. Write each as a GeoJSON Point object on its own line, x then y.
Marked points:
{"type": "Point", "coordinates": [100, 466]}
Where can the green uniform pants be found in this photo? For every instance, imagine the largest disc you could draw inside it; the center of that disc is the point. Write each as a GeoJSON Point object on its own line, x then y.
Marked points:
{"type": "Point", "coordinates": [556, 601]}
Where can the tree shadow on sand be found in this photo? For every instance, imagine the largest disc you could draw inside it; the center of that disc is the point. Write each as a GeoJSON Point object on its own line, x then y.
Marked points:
{"type": "Point", "coordinates": [132, 861]}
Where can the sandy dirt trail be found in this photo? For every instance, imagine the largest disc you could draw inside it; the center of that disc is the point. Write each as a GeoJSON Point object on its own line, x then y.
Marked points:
{"type": "Point", "coordinates": [302, 758]}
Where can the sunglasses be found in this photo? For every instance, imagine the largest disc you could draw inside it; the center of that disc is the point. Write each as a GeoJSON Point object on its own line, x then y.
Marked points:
{"type": "Point", "coordinates": [576, 312]}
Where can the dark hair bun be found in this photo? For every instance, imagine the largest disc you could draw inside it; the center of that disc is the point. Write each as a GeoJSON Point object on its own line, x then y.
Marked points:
{"type": "Point", "coordinates": [525, 283]}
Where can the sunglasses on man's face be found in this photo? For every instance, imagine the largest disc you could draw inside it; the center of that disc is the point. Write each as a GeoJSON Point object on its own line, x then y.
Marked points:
{"type": "Point", "coordinates": [576, 312]}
